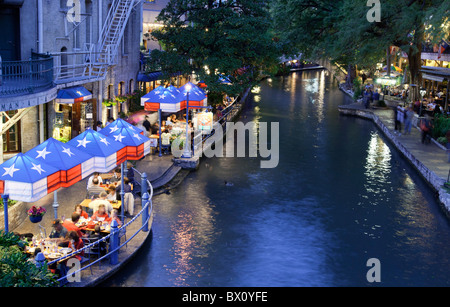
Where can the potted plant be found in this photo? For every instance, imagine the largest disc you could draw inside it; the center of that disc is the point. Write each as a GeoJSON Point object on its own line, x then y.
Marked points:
{"type": "Point", "coordinates": [109, 103]}
{"type": "Point", "coordinates": [36, 213]}
{"type": "Point", "coordinates": [121, 99]}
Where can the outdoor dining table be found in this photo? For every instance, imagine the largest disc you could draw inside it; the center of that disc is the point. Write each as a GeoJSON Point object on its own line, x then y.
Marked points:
{"type": "Point", "coordinates": [49, 248]}
{"type": "Point", "coordinates": [116, 205]}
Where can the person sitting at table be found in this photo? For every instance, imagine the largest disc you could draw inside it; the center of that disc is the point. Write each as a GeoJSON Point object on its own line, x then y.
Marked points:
{"type": "Point", "coordinates": [100, 215]}
{"type": "Point", "coordinates": [75, 243]}
{"type": "Point", "coordinates": [116, 176]}
{"type": "Point", "coordinates": [70, 225]}
{"type": "Point", "coordinates": [169, 121]}
{"type": "Point", "coordinates": [95, 236]}
{"type": "Point", "coordinates": [95, 204]}
{"type": "Point", "coordinates": [112, 194]}
{"type": "Point", "coordinates": [95, 175]}
{"type": "Point", "coordinates": [58, 231]}
{"type": "Point", "coordinates": [115, 216]}
{"type": "Point", "coordinates": [33, 259]}
{"type": "Point", "coordinates": [173, 119]}
{"type": "Point", "coordinates": [95, 189]}
{"type": "Point", "coordinates": [81, 212]}
{"type": "Point", "coordinates": [126, 187]}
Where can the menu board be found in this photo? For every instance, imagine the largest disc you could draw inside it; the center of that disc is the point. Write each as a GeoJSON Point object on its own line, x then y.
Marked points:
{"type": "Point", "coordinates": [205, 121]}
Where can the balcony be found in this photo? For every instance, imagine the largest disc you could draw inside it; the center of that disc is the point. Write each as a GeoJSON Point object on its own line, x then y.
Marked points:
{"type": "Point", "coordinates": [26, 77]}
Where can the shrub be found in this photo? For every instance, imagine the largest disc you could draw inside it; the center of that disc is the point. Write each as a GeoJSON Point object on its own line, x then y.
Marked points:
{"type": "Point", "coordinates": [15, 270]}
{"type": "Point", "coordinates": [441, 125]}
{"type": "Point", "coordinates": [357, 88]}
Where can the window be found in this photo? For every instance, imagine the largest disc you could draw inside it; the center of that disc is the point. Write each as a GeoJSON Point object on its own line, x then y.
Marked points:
{"type": "Point", "coordinates": [11, 138]}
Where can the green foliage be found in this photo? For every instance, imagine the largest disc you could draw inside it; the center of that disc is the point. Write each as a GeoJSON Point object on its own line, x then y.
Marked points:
{"type": "Point", "coordinates": [441, 125]}
{"type": "Point", "coordinates": [135, 101]}
{"type": "Point", "coordinates": [10, 202]}
{"type": "Point", "coordinates": [357, 88]}
{"type": "Point", "coordinates": [339, 30]}
{"type": "Point", "coordinates": [215, 38]}
{"type": "Point", "coordinates": [15, 270]}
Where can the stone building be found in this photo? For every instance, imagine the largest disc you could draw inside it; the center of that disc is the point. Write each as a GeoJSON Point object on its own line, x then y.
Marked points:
{"type": "Point", "coordinates": [62, 63]}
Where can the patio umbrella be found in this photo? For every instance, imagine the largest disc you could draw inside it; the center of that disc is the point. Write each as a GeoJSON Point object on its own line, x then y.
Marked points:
{"type": "Point", "coordinates": [137, 145]}
{"type": "Point", "coordinates": [107, 152]}
{"type": "Point", "coordinates": [393, 68]}
{"type": "Point", "coordinates": [119, 124]}
{"type": "Point", "coordinates": [26, 179]}
{"type": "Point", "coordinates": [166, 100]}
{"type": "Point", "coordinates": [197, 97]}
{"type": "Point", "coordinates": [74, 164]}
{"type": "Point", "coordinates": [152, 95]}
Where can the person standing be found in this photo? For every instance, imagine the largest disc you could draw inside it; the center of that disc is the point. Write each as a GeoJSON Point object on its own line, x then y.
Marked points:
{"type": "Point", "coordinates": [396, 121]}
{"type": "Point", "coordinates": [408, 120]}
{"type": "Point", "coordinates": [147, 125]}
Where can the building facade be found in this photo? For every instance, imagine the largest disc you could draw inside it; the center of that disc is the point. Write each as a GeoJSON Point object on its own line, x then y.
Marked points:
{"type": "Point", "coordinates": [63, 66]}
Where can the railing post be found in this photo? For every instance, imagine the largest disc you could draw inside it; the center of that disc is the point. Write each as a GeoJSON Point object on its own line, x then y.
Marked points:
{"type": "Point", "coordinates": [114, 243]}
{"type": "Point", "coordinates": [144, 185]}
{"type": "Point", "coordinates": [145, 199]}
{"type": "Point", "coordinates": [5, 207]}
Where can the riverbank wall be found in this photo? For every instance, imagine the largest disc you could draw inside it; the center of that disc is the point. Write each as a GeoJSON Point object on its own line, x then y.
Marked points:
{"type": "Point", "coordinates": [430, 160]}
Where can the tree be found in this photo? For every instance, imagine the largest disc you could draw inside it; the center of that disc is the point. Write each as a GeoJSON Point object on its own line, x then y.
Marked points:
{"type": "Point", "coordinates": [216, 38]}
{"type": "Point", "coordinates": [15, 270]}
{"type": "Point", "coordinates": [339, 30]}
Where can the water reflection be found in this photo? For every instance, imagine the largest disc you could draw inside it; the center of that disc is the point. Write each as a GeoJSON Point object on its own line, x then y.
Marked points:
{"type": "Point", "coordinates": [339, 196]}
{"type": "Point", "coordinates": [193, 234]}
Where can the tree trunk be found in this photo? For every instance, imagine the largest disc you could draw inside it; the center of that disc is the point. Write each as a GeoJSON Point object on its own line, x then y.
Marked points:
{"type": "Point", "coordinates": [351, 75]}
{"type": "Point", "coordinates": [415, 64]}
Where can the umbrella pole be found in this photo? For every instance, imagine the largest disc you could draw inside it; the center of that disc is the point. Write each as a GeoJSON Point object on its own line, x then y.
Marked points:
{"type": "Point", "coordinates": [122, 192]}
{"type": "Point", "coordinates": [159, 115]}
{"type": "Point", "coordinates": [5, 208]}
{"type": "Point", "coordinates": [55, 204]}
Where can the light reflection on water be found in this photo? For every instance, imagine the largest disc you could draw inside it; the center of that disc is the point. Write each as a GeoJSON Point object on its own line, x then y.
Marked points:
{"type": "Point", "coordinates": [340, 196]}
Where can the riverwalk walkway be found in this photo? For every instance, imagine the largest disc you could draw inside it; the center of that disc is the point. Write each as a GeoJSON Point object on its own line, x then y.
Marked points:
{"type": "Point", "coordinates": [430, 160]}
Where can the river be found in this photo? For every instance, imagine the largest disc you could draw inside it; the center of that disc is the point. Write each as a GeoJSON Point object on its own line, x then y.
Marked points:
{"type": "Point", "coordinates": [340, 195]}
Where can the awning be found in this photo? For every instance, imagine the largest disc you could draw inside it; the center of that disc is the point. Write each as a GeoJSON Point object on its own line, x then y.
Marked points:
{"type": "Point", "coordinates": [153, 76]}
{"type": "Point", "coordinates": [432, 77]}
{"type": "Point", "coordinates": [73, 95]}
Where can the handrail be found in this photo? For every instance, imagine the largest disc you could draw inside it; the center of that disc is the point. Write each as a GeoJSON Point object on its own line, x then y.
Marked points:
{"type": "Point", "coordinates": [104, 239]}
{"type": "Point", "coordinates": [147, 206]}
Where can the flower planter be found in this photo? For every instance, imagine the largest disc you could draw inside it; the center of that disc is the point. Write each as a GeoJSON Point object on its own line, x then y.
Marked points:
{"type": "Point", "coordinates": [35, 219]}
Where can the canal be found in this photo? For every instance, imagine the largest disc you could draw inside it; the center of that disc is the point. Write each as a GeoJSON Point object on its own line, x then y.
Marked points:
{"type": "Point", "coordinates": [341, 194]}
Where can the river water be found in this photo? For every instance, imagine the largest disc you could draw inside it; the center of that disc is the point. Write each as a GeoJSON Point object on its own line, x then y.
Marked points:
{"type": "Point", "coordinates": [341, 195]}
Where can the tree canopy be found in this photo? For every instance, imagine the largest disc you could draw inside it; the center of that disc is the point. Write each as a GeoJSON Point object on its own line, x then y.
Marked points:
{"type": "Point", "coordinates": [216, 38]}
{"type": "Point", "coordinates": [340, 30]}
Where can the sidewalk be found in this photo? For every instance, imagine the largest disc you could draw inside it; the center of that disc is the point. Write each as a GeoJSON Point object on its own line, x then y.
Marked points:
{"type": "Point", "coordinates": [430, 160]}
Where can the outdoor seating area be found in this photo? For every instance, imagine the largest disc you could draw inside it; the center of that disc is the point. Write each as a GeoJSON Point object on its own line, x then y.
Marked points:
{"type": "Point", "coordinates": [98, 222]}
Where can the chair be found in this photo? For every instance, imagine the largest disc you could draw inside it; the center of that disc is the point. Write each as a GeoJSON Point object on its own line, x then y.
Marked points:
{"type": "Point", "coordinates": [90, 252]}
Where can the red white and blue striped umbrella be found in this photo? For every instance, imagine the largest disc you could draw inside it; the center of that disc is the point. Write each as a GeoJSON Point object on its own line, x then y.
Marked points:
{"type": "Point", "coordinates": [119, 124]}
{"type": "Point", "coordinates": [197, 97]}
{"type": "Point", "coordinates": [137, 145]}
{"type": "Point", "coordinates": [164, 99]}
{"type": "Point", "coordinates": [74, 164]}
{"type": "Point", "coordinates": [107, 152]}
{"type": "Point", "coordinates": [26, 179]}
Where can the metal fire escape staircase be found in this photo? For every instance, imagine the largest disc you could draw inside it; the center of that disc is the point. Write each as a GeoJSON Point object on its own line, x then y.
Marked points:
{"type": "Point", "coordinates": [92, 63]}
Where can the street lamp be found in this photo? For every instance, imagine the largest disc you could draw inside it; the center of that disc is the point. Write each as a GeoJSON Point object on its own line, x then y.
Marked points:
{"type": "Point", "coordinates": [187, 149]}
